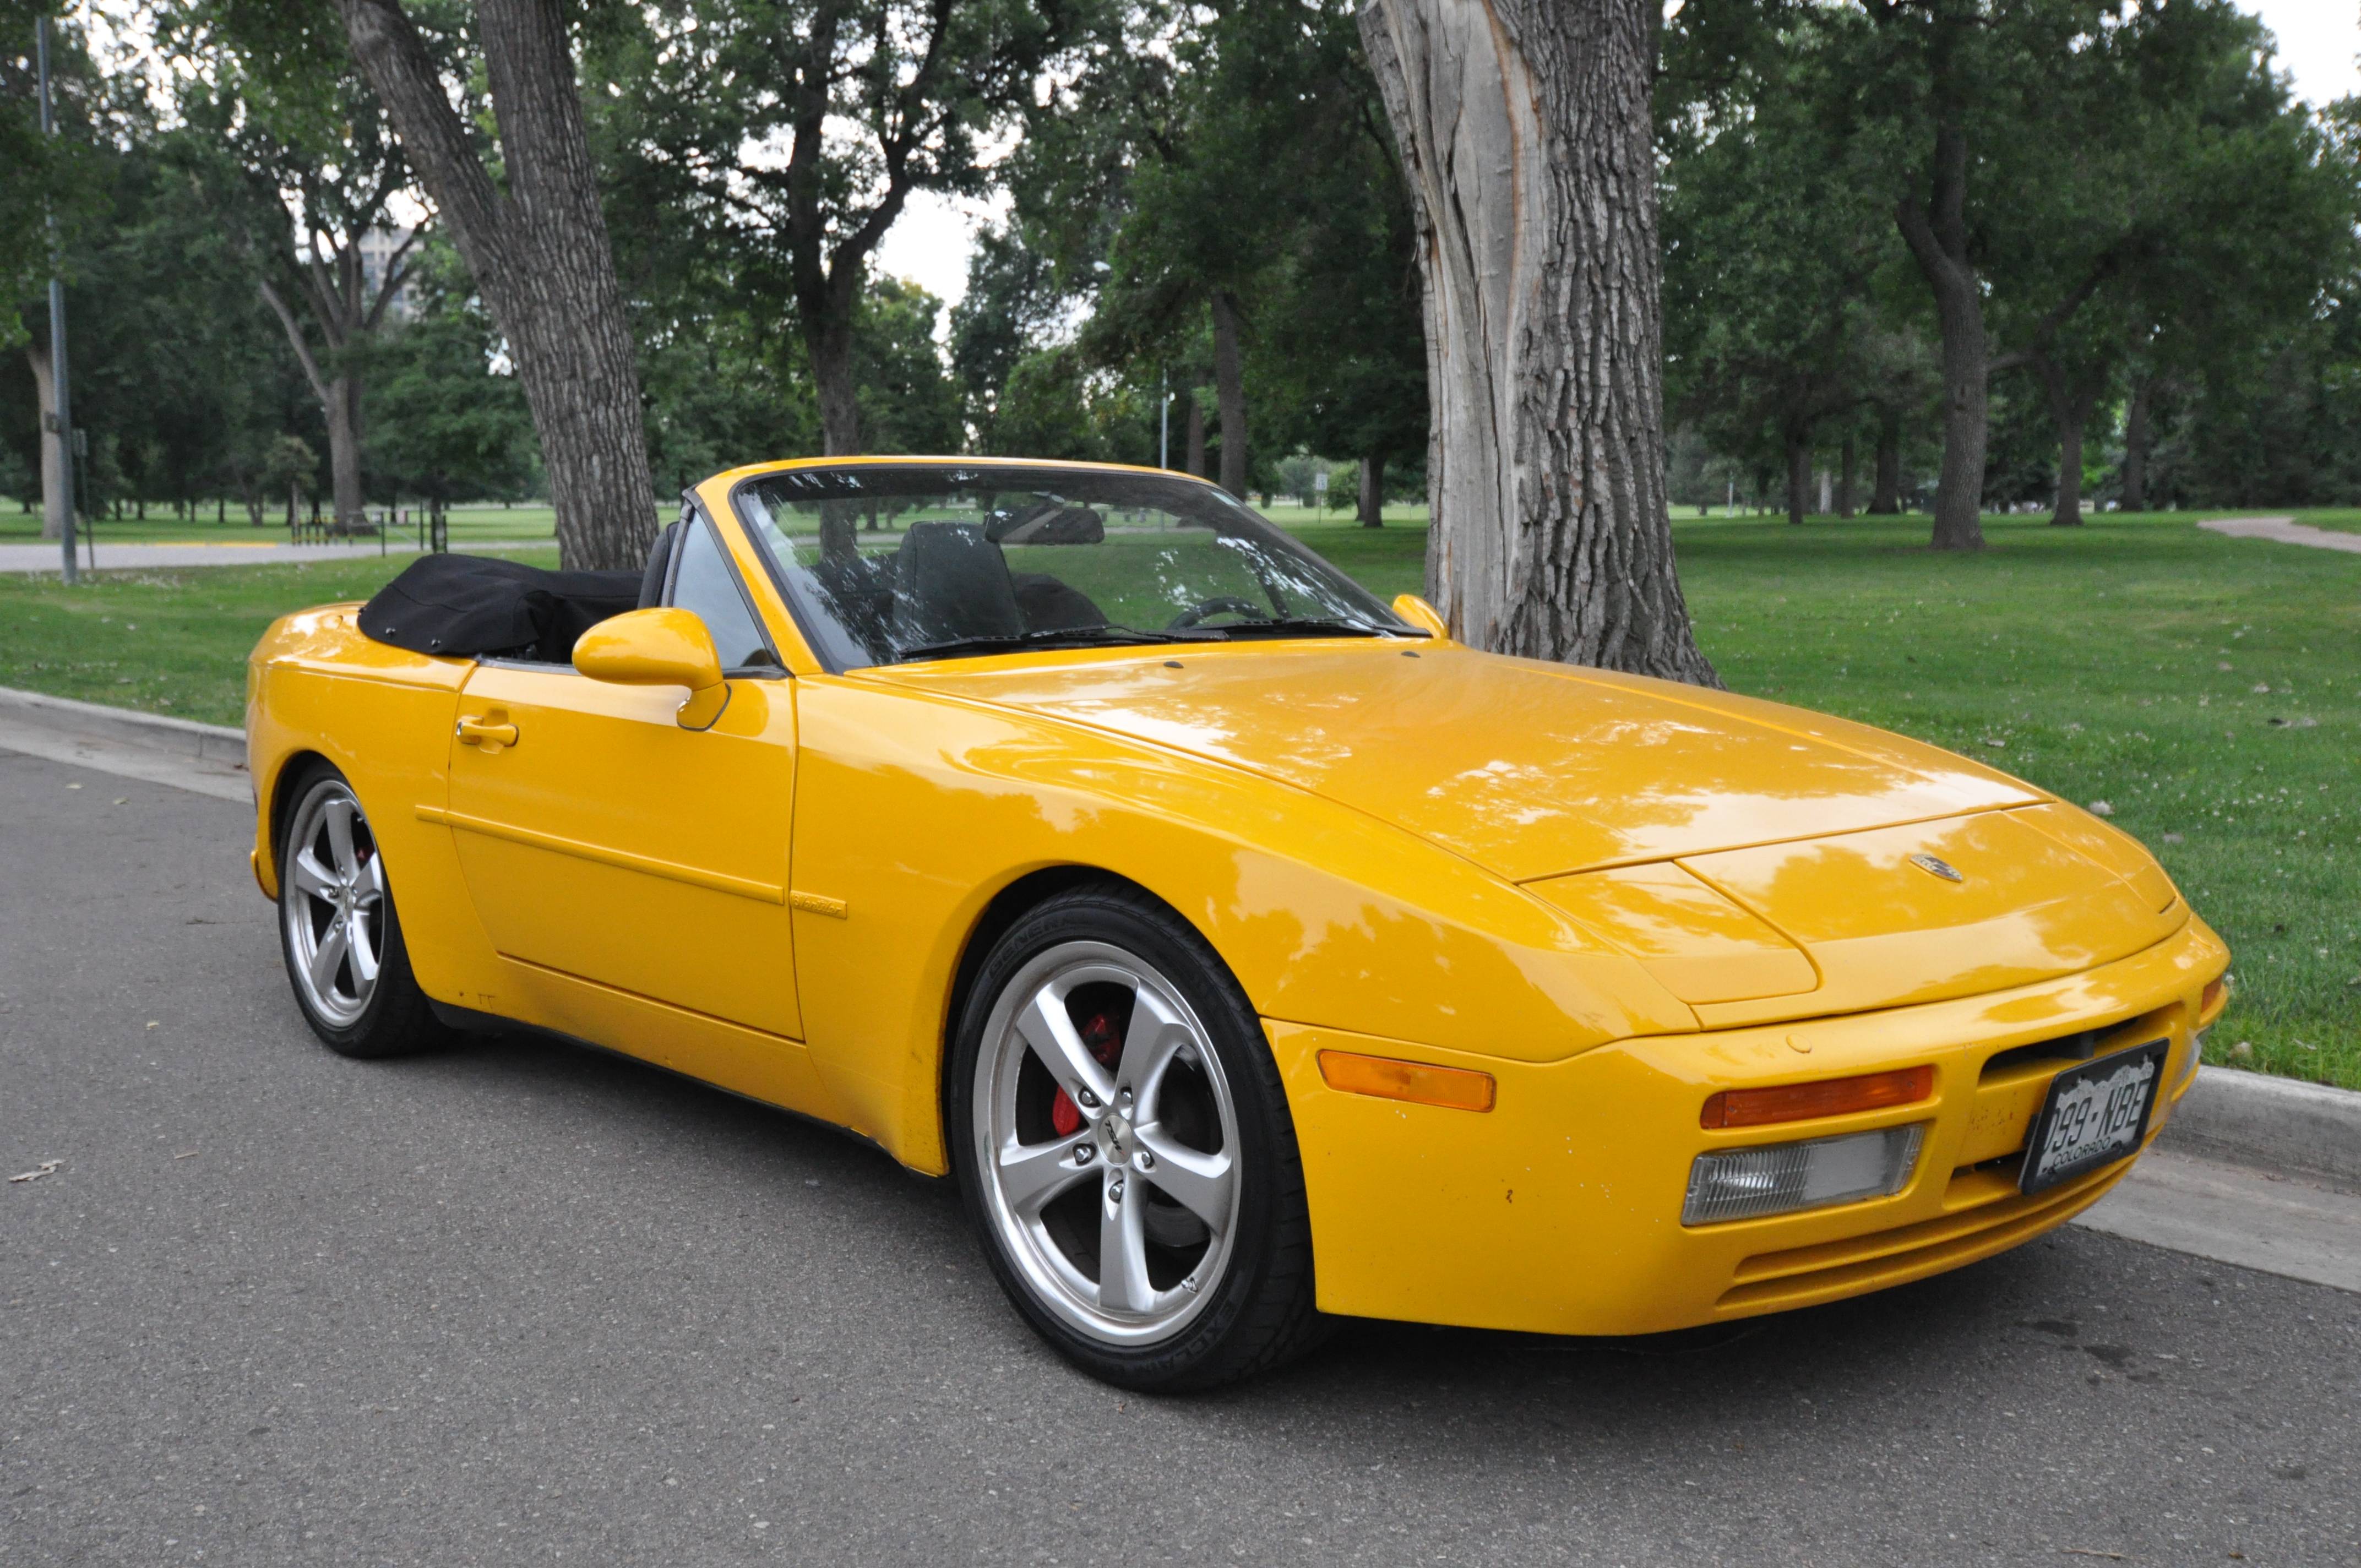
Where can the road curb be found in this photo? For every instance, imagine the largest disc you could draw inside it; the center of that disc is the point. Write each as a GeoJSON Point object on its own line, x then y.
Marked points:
{"type": "Point", "coordinates": [158, 731]}
{"type": "Point", "coordinates": [2275, 1124]}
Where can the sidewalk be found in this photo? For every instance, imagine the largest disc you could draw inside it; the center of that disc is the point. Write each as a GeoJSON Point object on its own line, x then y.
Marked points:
{"type": "Point", "coordinates": [2286, 530]}
{"type": "Point", "coordinates": [44, 557]}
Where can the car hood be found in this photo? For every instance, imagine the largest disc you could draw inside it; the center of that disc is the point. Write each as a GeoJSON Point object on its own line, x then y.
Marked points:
{"type": "Point", "coordinates": [1529, 769]}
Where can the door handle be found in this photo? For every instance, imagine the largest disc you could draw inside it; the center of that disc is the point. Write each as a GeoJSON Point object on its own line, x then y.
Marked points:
{"type": "Point", "coordinates": [483, 732]}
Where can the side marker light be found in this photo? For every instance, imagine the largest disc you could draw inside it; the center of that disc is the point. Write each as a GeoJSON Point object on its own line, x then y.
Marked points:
{"type": "Point", "coordinates": [1421, 1083]}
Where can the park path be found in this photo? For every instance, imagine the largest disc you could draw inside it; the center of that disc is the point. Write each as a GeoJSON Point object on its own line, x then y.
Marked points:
{"type": "Point", "coordinates": [2286, 530]}
{"type": "Point", "coordinates": [43, 557]}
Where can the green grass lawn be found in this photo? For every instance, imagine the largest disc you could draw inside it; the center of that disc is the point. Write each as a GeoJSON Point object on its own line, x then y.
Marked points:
{"type": "Point", "coordinates": [469, 525]}
{"type": "Point", "coordinates": [2124, 661]}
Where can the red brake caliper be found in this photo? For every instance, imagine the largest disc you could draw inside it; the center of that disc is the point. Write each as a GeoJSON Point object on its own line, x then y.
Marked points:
{"type": "Point", "coordinates": [1099, 1037]}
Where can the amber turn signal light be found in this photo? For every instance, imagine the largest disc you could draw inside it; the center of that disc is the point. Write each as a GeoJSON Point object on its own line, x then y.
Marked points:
{"type": "Point", "coordinates": [2209, 1005]}
{"type": "Point", "coordinates": [1829, 1097]}
{"type": "Point", "coordinates": [1454, 1088]}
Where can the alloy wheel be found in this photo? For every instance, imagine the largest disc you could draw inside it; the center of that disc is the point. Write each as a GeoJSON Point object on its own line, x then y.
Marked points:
{"type": "Point", "coordinates": [334, 904]}
{"type": "Point", "coordinates": [1109, 1143]}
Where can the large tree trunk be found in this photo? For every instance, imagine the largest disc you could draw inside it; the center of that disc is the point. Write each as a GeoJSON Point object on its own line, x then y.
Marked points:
{"type": "Point", "coordinates": [537, 246]}
{"type": "Point", "coordinates": [1844, 480]}
{"type": "Point", "coordinates": [53, 445]}
{"type": "Point", "coordinates": [1230, 391]}
{"type": "Point", "coordinates": [1885, 489]}
{"type": "Point", "coordinates": [2135, 446]}
{"type": "Point", "coordinates": [1195, 460]}
{"type": "Point", "coordinates": [1528, 147]}
{"type": "Point", "coordinates": [343, 410]}
{"type": "Point", "coordinates": [830, 345]}
{"type": "Point", "coordinates": [1937, 231]}
{"type": "Point", "coordinates": [1372, 513]}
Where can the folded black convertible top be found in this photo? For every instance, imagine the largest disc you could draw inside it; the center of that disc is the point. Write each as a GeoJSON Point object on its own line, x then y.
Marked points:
{"type": "Point", "coordinates": [468, 605]}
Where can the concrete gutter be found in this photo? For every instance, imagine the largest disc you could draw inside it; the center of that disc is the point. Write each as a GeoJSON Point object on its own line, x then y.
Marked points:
{"type": "Point", "coordinates": [213, 742]}
{"type": "Point", "coordinates": [208, 759]}
{"type": "Point", "coordinates": [2275, 1124]}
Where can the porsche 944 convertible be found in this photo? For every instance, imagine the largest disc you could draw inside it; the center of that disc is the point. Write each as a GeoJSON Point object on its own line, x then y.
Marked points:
{"type": "Point", "coordinates": [1247, 950]}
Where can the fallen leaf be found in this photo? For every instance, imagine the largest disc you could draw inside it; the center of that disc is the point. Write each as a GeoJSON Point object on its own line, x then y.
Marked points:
{"type": "Point", "coordinates": [48, 1166]}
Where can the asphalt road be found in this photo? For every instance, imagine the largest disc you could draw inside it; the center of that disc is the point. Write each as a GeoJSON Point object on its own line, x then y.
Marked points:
{"type": "Point", "coordinates": [523, 1302]}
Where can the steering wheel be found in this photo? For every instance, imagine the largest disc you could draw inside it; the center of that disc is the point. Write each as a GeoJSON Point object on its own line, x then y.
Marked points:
{"type": "Point", "coordinates": [1205, 609]}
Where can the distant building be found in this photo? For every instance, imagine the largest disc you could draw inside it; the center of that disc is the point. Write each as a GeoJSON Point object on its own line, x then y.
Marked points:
{"type": "Point", "coordinates": [378, 248]}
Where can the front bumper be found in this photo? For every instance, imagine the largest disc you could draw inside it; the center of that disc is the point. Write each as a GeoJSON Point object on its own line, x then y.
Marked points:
{"type": "Point", "coordinates": [1558, 1212]}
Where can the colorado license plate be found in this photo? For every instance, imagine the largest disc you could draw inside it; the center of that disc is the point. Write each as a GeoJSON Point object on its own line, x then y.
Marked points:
{"type": "Point", "coordinates": [2096, 1112]}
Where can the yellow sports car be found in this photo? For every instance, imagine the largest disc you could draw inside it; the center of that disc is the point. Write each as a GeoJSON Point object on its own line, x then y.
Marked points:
{"type": "Point", "coordinates": [1247, 950]}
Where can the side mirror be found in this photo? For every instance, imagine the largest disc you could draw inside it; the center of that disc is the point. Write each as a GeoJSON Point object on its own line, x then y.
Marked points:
{"type": "Point", "coordinates": [658, 648]}
{"type": "Point", "coordinates": [1418, 612]}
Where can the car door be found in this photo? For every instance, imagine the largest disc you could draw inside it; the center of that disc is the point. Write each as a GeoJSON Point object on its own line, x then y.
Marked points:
{"type": "Point", "coordinates": [603, 843]}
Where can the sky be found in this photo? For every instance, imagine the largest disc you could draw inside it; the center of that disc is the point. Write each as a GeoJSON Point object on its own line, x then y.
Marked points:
{"type": "Point", "coordinates": [2319, 40]}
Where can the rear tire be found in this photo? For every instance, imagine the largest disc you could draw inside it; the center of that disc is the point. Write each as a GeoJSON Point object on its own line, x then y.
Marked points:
{"type": "Point", "coordinates": [337, 929]}
{"type": "Point", "coordinates": [1112, 1098]}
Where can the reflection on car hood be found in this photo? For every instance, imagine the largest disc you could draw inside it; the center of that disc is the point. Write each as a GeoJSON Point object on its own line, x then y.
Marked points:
{"type": "Point", "coordinates": [1529, 769]}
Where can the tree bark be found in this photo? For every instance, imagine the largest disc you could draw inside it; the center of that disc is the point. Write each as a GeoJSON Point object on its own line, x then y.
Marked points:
{"type": "Point", "coordinates": [53, 445]}
{"type": "Point", "coordinates": [830, 347]}
{"type": "Point", "coordinates": [537, 247]}
{"type": "Point", "coordinates": [2135, 446]}
{"type": "Point", "coordinates": [1195, 462]}
{"type": "Point", "coordinates": [339, 397]}
{"type": "Point", "coordinates": [1844, 478]}
{"type": "Point", "coordinates": [2070, 411]}
{"type": "Point", "coordinates": [1529, 151]}
{"type": "Point", "coordinates": [1230, 391]}
{"type": "Point", "coordinates": [1885, 489]}
{"type": "Point", "coordinates": [1936, 233]}
{"type": "Point", "coordinates": [1799, 472]}
{"type": "Point", "coordinates": [1372, 513]}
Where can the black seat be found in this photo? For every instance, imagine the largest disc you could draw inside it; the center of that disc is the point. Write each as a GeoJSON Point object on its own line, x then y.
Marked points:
{"type": "Point", "coordinates": [950, 582]}
{"type": "Point", "coordinates": [658, 575]}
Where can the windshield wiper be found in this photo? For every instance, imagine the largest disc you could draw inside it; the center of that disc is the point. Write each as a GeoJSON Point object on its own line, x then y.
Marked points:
{"type": "Point", "coordinates": [1301, 623]}
{"type": "Point", "coordinates": [1051, 637]}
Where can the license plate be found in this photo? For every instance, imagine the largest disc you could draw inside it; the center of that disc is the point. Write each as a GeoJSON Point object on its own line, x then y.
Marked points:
{"type": "Point", "coordinates": [2096, 1112]}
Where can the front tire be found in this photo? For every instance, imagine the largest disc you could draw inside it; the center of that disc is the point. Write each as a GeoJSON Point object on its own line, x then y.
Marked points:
{"type": "Point", "coordinates": [1122, 1139]}
{"type": "Point", "coordinates": [337, 929]}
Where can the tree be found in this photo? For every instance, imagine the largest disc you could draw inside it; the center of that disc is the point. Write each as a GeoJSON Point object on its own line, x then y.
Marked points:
{"type": "Point", "coordinates": [331, 157]}
{"type": "Point", "coordinates": [1773, 242]}
{"type": "Point", "coordinates": [489, 114]}
{"type": "Point", "coordinates": [794, 135]}
{"type": "Point", "coordinates": [1163, 175]}
{"type": "Point", "coordinates": [1526, 133]}
{"type": "Point", "coordinates": [908, 403]}
{"type": "Point", "coordinates": [1011, 307]}
{"type": "Point", "coordinates": [1341, 358]}
{"type": "Point", "coordinates": [443, 423]}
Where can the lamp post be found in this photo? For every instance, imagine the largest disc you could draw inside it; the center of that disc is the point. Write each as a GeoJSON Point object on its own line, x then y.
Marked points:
{"type": "Point", "coordinates": [63, 411]}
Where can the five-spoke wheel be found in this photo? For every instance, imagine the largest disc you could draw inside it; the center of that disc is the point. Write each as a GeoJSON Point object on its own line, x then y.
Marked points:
{"type": "Point", "coordinates": [334, 909]}
{"type": "Point", "coordinates": [337, 929]}
{"type": "Point", "coordinates": [1113, 1142]}
{"type": "Point", "coordinates": [1125, 1147]}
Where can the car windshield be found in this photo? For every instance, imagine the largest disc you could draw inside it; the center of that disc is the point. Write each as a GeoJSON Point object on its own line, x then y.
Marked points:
{"type": "Point", "coordinates": [893, 561]}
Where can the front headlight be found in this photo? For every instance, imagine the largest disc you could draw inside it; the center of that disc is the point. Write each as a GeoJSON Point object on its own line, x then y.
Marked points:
{"type": "Point", "coordinates": [1781, 1178]}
